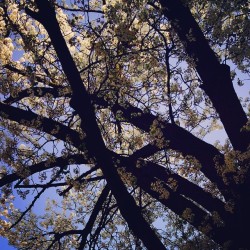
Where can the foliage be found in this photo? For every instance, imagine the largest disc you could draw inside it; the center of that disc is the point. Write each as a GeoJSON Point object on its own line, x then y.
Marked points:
{"type": "Point", "coordinates": [107, 106]}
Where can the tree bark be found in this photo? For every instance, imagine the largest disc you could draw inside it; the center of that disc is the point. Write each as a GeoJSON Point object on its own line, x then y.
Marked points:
{"type": "Point", "coordinates": [217, 82]}
{"type": "Point", "coordinates": [93, 141]}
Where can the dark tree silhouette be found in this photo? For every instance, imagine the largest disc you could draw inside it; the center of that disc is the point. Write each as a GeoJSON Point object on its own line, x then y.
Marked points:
{"type": "Point", "coordinates": [112, 109]}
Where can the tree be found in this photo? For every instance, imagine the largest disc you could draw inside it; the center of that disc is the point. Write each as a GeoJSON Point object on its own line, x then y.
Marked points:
{"type": "Point", "coordinates": [110, 102]}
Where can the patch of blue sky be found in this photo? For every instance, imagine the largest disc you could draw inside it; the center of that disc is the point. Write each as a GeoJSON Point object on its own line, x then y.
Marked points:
{"type": "Point", "coordinates": [4, 244]}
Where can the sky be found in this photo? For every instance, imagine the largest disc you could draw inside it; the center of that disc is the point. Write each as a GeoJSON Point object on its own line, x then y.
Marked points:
{"type": "Point", "coordinates": [4, 244]}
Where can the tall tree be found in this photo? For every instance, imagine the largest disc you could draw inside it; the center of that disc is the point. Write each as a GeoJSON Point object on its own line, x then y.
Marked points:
{"type": "Point", "coordinates": [110, 104]}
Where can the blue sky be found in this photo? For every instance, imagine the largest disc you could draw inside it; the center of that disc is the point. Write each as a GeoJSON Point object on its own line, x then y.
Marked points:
{"type": "Point", "coordinates": [4, 244]}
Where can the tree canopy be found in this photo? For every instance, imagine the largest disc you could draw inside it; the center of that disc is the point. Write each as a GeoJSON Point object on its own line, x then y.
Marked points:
{"type": "Point", "coordinates": [107, 106]}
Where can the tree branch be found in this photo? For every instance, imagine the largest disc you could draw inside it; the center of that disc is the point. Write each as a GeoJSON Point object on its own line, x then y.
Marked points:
{"type": "Point", "coordinates": [216, 78]}
{"type": "Point", "coordinates": [98, 206]}
{"type": "Point", "coordinates": [177, 139]}
{"type": "Point", "coordinates": [80, 101]}
{"type": "Point", "coordinates": [179, 205]}
{"type": "Point", "coordinates": [44, 165]}
{"type": "Point", "coordinates": [47, 125]}
{"type": "Point", "coordinates": [39, 92]}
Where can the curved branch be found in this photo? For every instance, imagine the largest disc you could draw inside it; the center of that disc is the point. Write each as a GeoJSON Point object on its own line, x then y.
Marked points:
{"type": "Point", "coordinates": [44, 165]}
{"type": "Point", "coordinates": [47, 125]}
{"type": "Point", "coordinates": [39, 92]}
